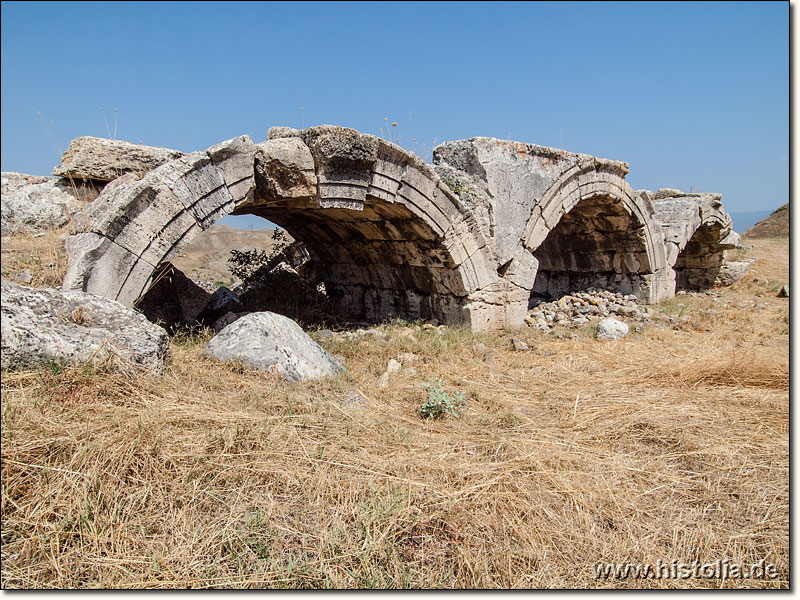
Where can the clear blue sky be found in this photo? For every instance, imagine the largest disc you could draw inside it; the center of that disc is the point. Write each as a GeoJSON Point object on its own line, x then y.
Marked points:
{"type": "Point", "coordinates": [690, 94]}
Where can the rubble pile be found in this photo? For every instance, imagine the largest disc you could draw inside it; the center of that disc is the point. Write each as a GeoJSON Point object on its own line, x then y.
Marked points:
{"type": "Point", "coordinates": [579, 308]}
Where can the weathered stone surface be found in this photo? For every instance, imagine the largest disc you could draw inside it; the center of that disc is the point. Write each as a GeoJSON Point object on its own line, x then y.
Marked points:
{"type": "Point", "coordinates": [519, 345]}
{"type": "Point", "coordinates": [137, 225]}
{"type": "Point", "coordinates": [344, 159]}
{"type": "Point", "coordinates": [784, 291]}
{"type": "Point", "coordinates": [226, 320]}
{"type": "Point", "coordinates": [99, 266]}
{"type": "Point", "coordinates": [266, 340]}
{"type": "Point", "coordinates": [34, 204]}
{"type": "Point", "coordinates": [697, 231]}
{"type": "Point", "coordinates": [611, 329]}
{"type": "Point", "coordinates": [516, 176]}
{"type": "Point", "coordinates": [24, 276]}
{"type": "Point", "coordinates": [275, 133]}
{"type": "Point", "coordinates": [284, 168]}
{"type": "Point", "coordinates": [393, 366]}
{"type": "Point", "coordinates": [40, 326]}
{"type": "Point", "coordinates": [100, 159]}
{"type": "Point", "coordinates": [731, 272]}
{"type": "Point", "coordinates": [234, 161]}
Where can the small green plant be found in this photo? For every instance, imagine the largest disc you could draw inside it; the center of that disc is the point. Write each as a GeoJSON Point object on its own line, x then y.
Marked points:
{"type": "Point", "coordinates": [258, 534]}
{"type": "Point", "coordinates": [440, 403]}
{"type": "Point", "coordinates": [56, 366]}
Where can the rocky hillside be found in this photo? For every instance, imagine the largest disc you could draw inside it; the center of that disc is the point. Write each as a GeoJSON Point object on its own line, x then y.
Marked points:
{"type": "Point", "coordinates": [775, 225]}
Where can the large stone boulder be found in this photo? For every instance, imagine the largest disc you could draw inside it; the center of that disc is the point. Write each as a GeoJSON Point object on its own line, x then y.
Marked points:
{"type": "Point", "coordinates": [97, 159]}
{"type": "Point", "coordinates": [266, 341]}
{"type": "Point", "coordinates": [40, 326]}
{"type": "Point", "coordinates": [34, 203]}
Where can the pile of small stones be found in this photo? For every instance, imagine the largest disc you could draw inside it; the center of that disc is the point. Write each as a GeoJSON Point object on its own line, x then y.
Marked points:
{"type": "Point", "coordinates": [208, 286]}
{"type": "Point", "coordinates": [376, 331]}
{"type": "Point", "coordinates": [579, 308]}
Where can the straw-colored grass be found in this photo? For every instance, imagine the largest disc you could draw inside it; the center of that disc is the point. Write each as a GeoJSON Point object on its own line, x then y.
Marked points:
{"type": "Point", "coordinates": [671, 444]}
{"type": "Point", "coordinates": [43, 257]}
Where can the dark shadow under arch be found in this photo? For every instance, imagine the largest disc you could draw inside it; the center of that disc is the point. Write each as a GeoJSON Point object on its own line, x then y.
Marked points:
{"type": "Point", "coordinates": [596, 244]}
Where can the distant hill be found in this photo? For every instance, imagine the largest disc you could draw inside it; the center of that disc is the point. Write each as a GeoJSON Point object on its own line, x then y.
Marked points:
{"type": "Point", "coordinates": [775, 225]}
{"type": "Point", "coordinates": [206, 256]}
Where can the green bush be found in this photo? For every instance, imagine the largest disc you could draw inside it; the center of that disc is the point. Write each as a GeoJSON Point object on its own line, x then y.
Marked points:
{"type": "Point", "coordinates": [440, 403]}
{"type": "Point", "coordinates": [246, 264]}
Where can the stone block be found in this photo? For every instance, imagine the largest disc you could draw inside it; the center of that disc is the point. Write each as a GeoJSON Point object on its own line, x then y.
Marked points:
{"type": "Point", "coordinates": [99, 159]}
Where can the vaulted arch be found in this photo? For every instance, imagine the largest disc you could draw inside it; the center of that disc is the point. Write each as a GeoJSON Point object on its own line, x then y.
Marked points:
{"type": "Point", "coordinates": [591, 229]}
{"type": "Point", "coordinates": [388, 237]}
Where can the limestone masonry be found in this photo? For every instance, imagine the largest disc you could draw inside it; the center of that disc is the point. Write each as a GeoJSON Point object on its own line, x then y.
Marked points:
{"type": "Point", "coordinates": [474, 238]}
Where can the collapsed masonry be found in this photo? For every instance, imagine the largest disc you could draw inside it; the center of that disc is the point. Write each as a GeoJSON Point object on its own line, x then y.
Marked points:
{"type": "Point", "coordinates": [469, 240]}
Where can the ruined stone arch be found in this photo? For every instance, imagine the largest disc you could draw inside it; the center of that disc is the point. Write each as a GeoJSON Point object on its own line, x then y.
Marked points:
{"type": "Point", "coordinates": [390, 238]}
{"type": "Point", "coordinates": [590, 228]}
{"type": "Point", "coordinates": [460, 241]}
{"type": "Point", "coordinates": [697, 232]}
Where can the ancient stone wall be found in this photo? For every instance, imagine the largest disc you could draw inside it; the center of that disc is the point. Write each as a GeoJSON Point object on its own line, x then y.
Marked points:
{"type": "Point", "coordinates": [468, 240]}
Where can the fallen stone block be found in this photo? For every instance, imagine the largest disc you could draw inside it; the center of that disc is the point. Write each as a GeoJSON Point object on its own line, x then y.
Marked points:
{"type": "Point", "coordinates": [173, 299]}
{"type": "Point", "coordinates": [731, 272]}
{"type": "Point", "coordinates": [226, 320]}
{"type": "Point", "coordinates": [222, 302]}
{"type": "Point", "coordinates": [33, 203]}
{"type": "Point", "coordinates": [44, 326]}
{"type": "Point", "coordinates": [611, 329]}
{"type": "Point", "coordinates": [97, 159]}
{"type": "Point", "coordinates": [266, 341]}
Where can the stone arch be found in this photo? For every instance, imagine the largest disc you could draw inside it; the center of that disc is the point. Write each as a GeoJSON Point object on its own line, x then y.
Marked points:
{"type": "Point", "coordinates": [390, 238]}
{"type": "Point", "coordinates": [697, 232]}
{"type": "Point", "coordinates": [591, 229]}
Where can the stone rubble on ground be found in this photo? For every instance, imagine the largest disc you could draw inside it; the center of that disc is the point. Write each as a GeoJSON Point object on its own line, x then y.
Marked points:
{"type": "Point", "coordinates": [579, 308]}
{"type": "Point", "coordinates": [393, 366]}
{"type": "Point", "coordinates": [519, 345]}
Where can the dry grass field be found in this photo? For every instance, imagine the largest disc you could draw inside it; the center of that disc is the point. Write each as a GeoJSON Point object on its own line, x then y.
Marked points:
{"type": "Point", "coordinates": [671, 444]}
